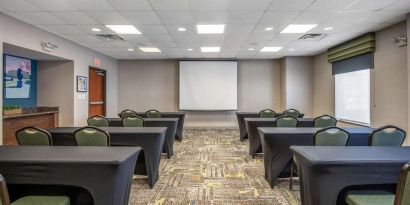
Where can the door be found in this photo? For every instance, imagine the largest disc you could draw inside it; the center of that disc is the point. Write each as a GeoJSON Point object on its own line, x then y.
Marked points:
{"type": "Point", "coordinates": [96, 96]}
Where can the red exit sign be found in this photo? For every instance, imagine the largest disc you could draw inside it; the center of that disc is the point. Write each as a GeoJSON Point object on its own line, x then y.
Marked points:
{"type": "Point", "coordinates": [97, 62]}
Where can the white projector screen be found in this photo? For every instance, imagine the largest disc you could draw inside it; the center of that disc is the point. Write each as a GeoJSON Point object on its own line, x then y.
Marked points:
{"type": "Point", "coordinates": [208, 85]}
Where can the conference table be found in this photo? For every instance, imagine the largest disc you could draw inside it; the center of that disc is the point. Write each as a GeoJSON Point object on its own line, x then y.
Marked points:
{"type": "Point", "coordinates": [276, 142]}
{"type": "Point", "coordinates": [170, 123]}
{"type": "Point", "coordinates": [150, 139]}
{"type": "Point", "coordinates": [105, 172]}
{"type": "Point", "coordinates": [181, 118]}
{"type": "Point", "coordinates": [241, 122]}
{"type": "Point", "coordinates": [325, 172]}
{"type": "Point", "coordinates": [252, 125]}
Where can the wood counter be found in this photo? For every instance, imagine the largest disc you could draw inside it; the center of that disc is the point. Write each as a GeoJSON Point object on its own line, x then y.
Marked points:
{"type": "Point", "coordinates": [12, 123]}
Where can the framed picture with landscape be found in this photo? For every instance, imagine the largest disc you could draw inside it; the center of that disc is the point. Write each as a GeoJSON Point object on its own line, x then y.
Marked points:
{"type": "Point", "coordinates": [82, 83]}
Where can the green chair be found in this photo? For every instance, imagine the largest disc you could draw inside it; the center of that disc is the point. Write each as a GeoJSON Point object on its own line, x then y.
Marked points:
{"type": "Point", "coordinates": [132, 122]}
{"type": "Point", "coordinates": [330, 136]}
{"type": "Point", "coordinates": [32, 136]}
{"type": "Point", "coordinates": [153, 114]}
{"type": "Point", "coordinates": [91, 136]}
{"type": "Point", "coordinates": [267, 113]}
{"type": "Point", "coordinates": [374, 197]}
{"type": "Point", "coordinates": [128, 113]}
{"type": "Point", "coordinates": [98, 121]}
{"type": "Point", "coordinates": [388, 135]}
{"type": "Point", "coordinates": [30, 200]}
{"type": "Point", "coordinates": [325, 121]}
{"type": "Point", "coordinates": [291, 112]}
{"type": "Point", "coordinates": [286, 121]}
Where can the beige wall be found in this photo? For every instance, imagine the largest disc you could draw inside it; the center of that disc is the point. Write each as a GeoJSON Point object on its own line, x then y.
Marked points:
{"type": "Point", "coordinates": [52, 73]}
{"type": "Point", "coordinates": [18, 33]}
{"type": "Point", "coordinates": [146, 84]}
{"type": "Point", "coordinates": [323, 86]}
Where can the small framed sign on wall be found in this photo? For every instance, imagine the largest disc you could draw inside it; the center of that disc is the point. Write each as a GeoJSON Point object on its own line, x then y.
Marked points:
{"type": "Point", "coordinates": [82, 83]}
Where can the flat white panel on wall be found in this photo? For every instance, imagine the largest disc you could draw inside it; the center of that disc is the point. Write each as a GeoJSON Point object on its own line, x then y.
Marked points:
{"type": "Point", "coordinates": [208, 85]}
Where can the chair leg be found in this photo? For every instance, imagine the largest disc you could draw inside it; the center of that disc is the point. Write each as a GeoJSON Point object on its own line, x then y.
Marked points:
{"type": "Point", "coordinates": [291, 177]}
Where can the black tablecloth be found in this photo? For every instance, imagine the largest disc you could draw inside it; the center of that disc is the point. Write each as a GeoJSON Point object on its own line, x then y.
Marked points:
{"type": "Point", "coordinates": [252, 125]}
{"type": "Point", "coordinates": [179, 115]}
{"type": "Point", "coordinates": [170, 123]}
{"type": "Point", "coordinates": [106, 172]}
{"type": "Point", "coordinates": [276, 143]}
{"type": "Point", "coordinates": [151, 139]}
{"type": "Point", "coordinates": [243, 134]}
{"type": "Point", "coordinates": [326, 171]}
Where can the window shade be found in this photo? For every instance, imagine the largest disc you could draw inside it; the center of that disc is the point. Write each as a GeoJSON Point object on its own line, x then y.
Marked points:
{"type": "Point", "coordinates": [360, 45]}
{"type": "Point", "coordinates": [361, 62]}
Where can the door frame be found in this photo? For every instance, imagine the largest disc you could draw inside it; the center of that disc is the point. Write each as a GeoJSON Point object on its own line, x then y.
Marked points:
{"type": "Point", "coordinates": [104, 89]}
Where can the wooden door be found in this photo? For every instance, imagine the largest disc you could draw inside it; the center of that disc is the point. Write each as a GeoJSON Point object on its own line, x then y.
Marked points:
{"type": "Point", "coordinates": [96, 97]}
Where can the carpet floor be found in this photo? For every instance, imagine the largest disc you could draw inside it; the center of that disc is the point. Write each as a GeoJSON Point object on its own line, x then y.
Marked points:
{"type": "Point", "coordinates": [212, 167]}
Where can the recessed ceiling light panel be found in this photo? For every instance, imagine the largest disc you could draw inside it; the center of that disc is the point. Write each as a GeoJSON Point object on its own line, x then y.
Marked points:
{"type": "Point", "coordinates": [181, 29]}
{"type": "Point", "coordinates": [210, 49]}
{"type": "Point", "coordinates": [298, 28]}
{"type": "Point", "coordinates": [269, 29]}
{"type": "Point", "coordinates": [271, 49]}
{"type": "Point", "coordinates": [328, 28]}
{"type": "Point", "coordinates": [210, 29]}
{"type": "Point", "coordinates": [96, 29]}
{"type": "Point", "coordinates": [150, 49]}
{"type": "Point", "coordinates": [124, 29]}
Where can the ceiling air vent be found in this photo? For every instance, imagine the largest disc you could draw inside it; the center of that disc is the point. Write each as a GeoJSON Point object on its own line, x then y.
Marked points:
{"type": "Point", "coordinates": [312, 37]}
{"type": "Point", "coordinates": [109, 37]}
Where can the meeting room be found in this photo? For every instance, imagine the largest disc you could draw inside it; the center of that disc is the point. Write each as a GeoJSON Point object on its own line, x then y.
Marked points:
{"type": "Point", "coordinates": [205, 102]}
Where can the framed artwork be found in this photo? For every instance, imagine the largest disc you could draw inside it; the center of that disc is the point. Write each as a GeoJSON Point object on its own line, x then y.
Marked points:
{"type": "Point", "coordinates": [82, 83]}
{"type": "Point", "coordinates": [17, 77]}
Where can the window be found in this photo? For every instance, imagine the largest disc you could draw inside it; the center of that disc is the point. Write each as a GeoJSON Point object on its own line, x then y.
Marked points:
{"type": "Point", "coordinates": [352, 96]}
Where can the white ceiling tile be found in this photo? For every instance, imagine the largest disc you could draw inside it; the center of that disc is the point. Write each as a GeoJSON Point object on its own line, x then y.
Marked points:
{"type": "Point", "coordinates": [17, 5]}
{"type": "Point", "coordinates": [134, 38]}
{"type": "Point", "coordinates": [314, 17]}
{"type": "Point", "coordinates": [91, 5]}
{"type": "Point", "coordinates": [214, 38]}
{"type": "Point", "coordinates": [369, 5]}
{"type": "Point", "coordinates": [244, 16]}
{"type": "Point", "coordinates": [260, 28]}
{"type": "Point", "coordinates": [159, 37]}
{"type": "Point", "coordinates": [152, 29]}
{"type": "Point", "coordinates": [84, 38]}
{"type": "Point", "coordinates": [330, 5]}
{"type": "Point", "coordinates": [108, 17]}
{"type": "Point", "coordinates": [401, 5]}
{"type": "Point", "coordinates": [239, 28]}
{"type": "Point", "coordinates": [206, 17]}
{"type": "Point", "coordinates": [167, 5]}
{"type": "Point", "coordinates": [87, 29]}
{"type": "Point", "coordinates": [74, 17]}
{"type": "Point", "coordinates": [164, 44]}
{"type": "Point", "coordinates": [260, 37]}
{"type": "Point", "coordinates": [181, 38]}
{"type": "Point", "coordinates": [290, 5]}
{"type": "Point", "coordinates": [53, 5]}
{"type": "Point", "coordinates": [278, 18]}
{"type": "Point", "coordinates": [190, 29]}
{"type": "Point", "coordinates": [63, 29]}
{"type": "Point", "coordinates": [141, 17]}
{"type": "Point", "coordinates": [259, 5]}
{"type": "Point", "coordinates": [36, 17]}
{"type": "Point", "coordinates": [236, 37]}
{"type": "Point", "coordinates": [209, 4]}
{"type": "Point", "coordinates": [131, 5]}
{"type": "Point", "coordinates": [175, 17]}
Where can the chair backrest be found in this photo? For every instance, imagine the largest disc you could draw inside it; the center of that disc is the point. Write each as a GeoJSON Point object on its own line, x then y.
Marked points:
{"type": "Point", "coordinates": [4, 194]}
{"type": "Point", "coordinates": [153, 114]}
{"type": "Point", "coordinates": [128, 113]}
{"type": "Point", "coordinates": [286, 121]}
{"type": "Point", "coordinates": [291, 112]}
{"type": "Point", "coordinates": [403, 187]}
{"type": "Point", "coordinates": [91, 136]}
{"type": "Point", "coordinates": [132, 122]}
{"type": "Point", "coordinates": [331, 136]}
{"type": "Point", "coordinates": [98, 121]}
{"type": "Point", "coordinates": [388, 135]}
{"type": "Point", "coordinates": [32, 136]}
{"type": "Point", "coordinates": [267, 113]}
{"type": "Point", "coordinates": [325, 121]}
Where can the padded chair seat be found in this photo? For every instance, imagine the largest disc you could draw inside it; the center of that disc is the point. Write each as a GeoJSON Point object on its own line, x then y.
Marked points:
{"type": "Point", "coordinates": [368, 197]}
{"type": "Point", "coordinates": [42, 200]}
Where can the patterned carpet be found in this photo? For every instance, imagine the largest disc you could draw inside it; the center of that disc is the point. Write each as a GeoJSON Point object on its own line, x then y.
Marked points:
{"type": "Point", "coordinates": [212, 167]}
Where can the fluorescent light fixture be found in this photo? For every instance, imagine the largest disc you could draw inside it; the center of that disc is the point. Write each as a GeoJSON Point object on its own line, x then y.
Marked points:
{"type": "Point", "coordinates": [96, 29]}
{"type": "Point", "coordinates": [251, 49]}
{"type": "Point", "coordinates": [189, 49]}
{"type": "Point", "coordinates": [181, 29]}
{"type": "Point", "coordinates": [269, 29]}
{"type": "Point", "coordinates": [210, 49]}
{"type": "Point", "coordinates": [291, 49]}
{"type": "Point", "coordinates": [124, 29]}
{"type": "Point", "coordinates": [150, 49]}
{"type": "Point", "coordinates": [130, 49]}
{"type": "Point", "coordinates": [271, 49]}
{"type": "Point", "coordinates": [298, 28]}
{"type": "Point", "coordinates": [328, 28]}
{"type": "Point", "coordinates": [210, 29]}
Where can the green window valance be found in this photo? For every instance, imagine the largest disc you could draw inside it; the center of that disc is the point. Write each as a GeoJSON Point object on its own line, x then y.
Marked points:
{"type": "Point", "coordinates": [358, 46]}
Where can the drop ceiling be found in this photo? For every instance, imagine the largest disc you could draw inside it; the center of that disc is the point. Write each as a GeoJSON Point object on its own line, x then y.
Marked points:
{"type": "Point", "coordinates": [245, 23]}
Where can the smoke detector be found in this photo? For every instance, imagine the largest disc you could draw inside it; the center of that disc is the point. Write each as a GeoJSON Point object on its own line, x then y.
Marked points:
{"type": "Point", "coordinates": [312, 37]}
